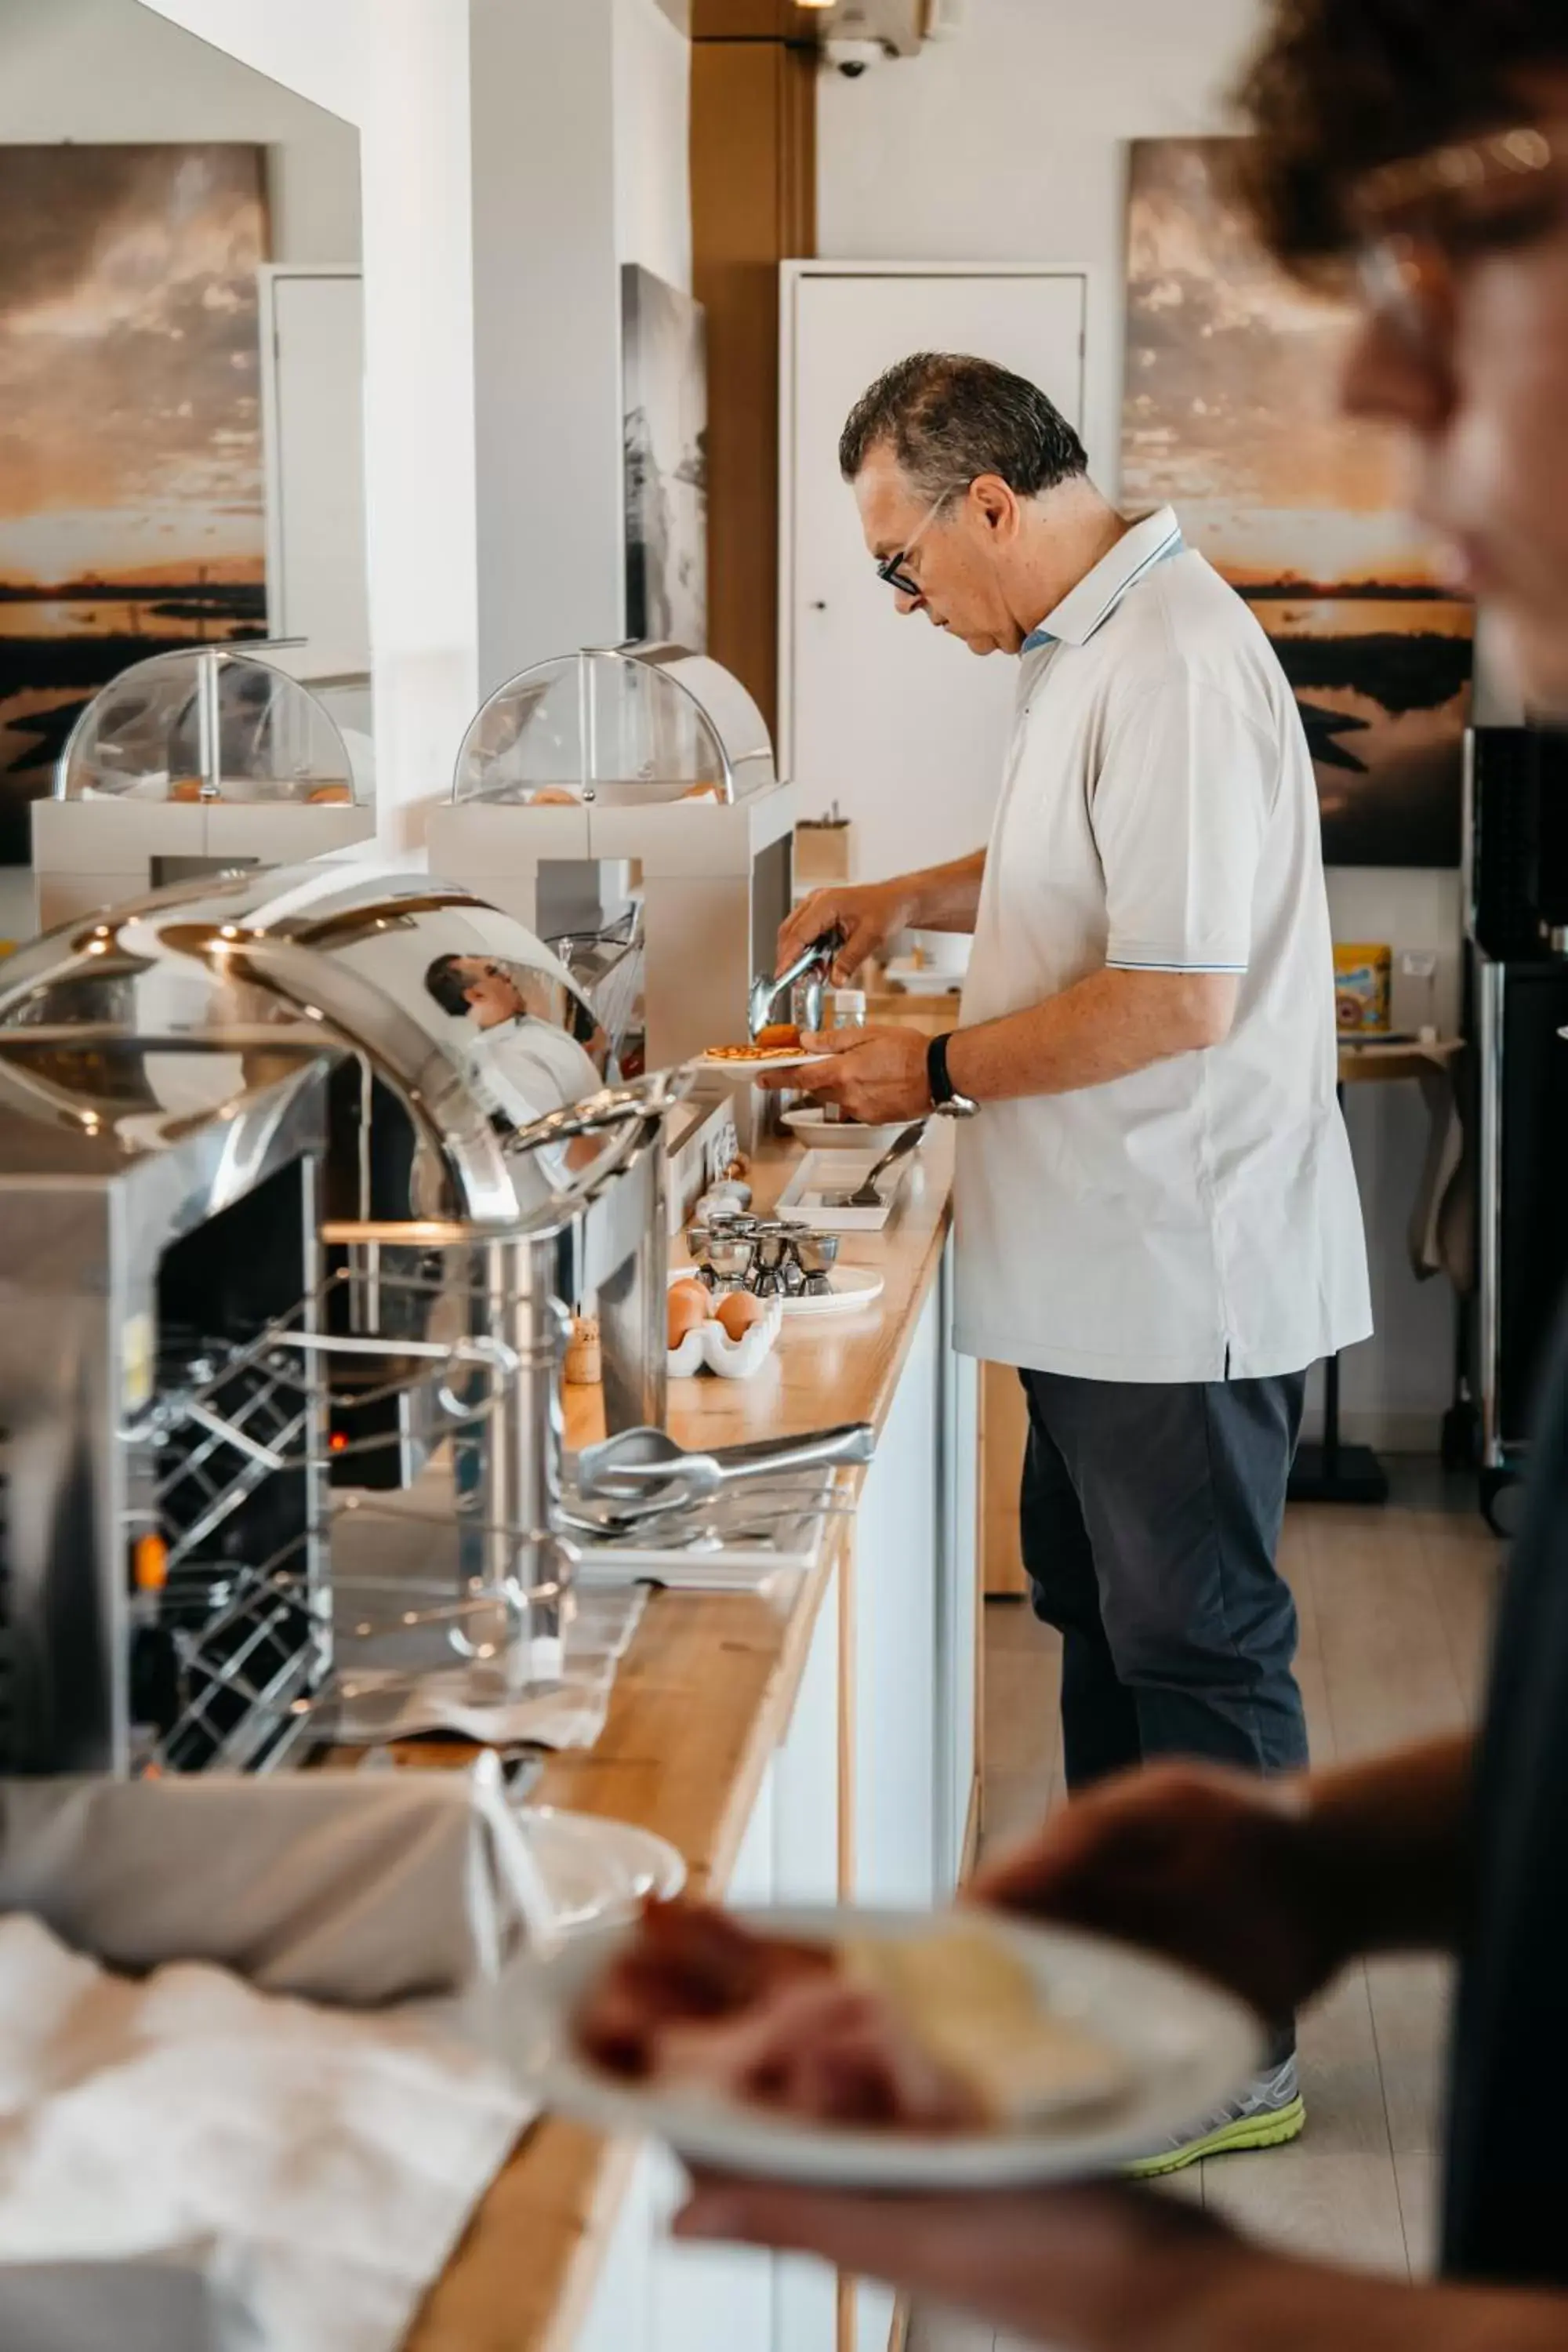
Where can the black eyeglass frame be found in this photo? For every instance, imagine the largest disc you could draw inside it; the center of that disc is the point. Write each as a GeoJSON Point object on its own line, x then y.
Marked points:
{"type": "Point", "coordinates": [891, 571]}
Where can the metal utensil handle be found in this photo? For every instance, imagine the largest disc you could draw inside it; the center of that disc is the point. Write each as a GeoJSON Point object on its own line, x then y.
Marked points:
{"type": "Point", "coordinates": [822, 1449]}
{"type": "Point", "coordinates": [818, 957]}
{"type": "Point", "coordinates": [900, 1145]}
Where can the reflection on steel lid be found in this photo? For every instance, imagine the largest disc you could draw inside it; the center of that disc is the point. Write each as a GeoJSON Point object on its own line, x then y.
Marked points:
{"type": "Point", "coordinates": [477, 1029]}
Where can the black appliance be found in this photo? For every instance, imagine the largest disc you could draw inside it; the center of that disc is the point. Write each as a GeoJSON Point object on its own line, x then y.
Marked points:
{"type": "Point", "coordinates": [1517, 921]}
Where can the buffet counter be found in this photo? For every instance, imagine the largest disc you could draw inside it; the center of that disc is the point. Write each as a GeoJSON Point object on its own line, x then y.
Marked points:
{"type": "Point", "coordinates": [802, 1749]}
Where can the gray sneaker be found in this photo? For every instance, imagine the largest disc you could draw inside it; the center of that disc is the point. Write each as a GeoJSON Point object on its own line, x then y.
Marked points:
{"type": "Point", "coordinates": [1266, 2115]}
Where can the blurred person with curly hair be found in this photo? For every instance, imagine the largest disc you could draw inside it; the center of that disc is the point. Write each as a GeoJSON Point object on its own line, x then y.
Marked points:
{"type": "Point", "coordinates": [1416, 152]}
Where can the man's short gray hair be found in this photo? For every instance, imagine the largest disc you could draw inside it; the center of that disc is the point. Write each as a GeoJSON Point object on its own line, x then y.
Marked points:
{"type": "Point", "coordinates": [948, 419]}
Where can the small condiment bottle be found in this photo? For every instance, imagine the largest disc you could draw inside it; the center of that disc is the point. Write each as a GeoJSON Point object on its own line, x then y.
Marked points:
{"type": "Point", "coordinates": [849, 1013]}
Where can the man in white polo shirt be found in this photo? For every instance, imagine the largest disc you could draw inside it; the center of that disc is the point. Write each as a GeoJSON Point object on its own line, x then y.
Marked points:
{"type": "Point", "coordinates": [1157, 1214]}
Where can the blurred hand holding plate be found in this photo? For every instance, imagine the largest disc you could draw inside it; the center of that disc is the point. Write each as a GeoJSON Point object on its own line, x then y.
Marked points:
{"type": "Point", "coordinates": [1124, 2051]}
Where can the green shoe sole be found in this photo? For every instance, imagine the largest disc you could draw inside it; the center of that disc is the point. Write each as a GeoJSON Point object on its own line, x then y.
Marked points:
{"type": "Point", "coordinates": [1269, 2130]}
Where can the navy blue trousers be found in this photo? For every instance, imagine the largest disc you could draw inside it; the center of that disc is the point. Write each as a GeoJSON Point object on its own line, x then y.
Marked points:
{"type": "Point", "coordinates": [1151, 1517]}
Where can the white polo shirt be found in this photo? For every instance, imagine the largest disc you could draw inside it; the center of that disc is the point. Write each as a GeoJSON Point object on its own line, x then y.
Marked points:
{"type": "Point", "coordinates": [1199, 1220]}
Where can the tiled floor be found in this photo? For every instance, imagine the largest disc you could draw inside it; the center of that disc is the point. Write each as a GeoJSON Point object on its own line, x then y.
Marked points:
{"type": "Point", "coordinates": [1394, 1607]}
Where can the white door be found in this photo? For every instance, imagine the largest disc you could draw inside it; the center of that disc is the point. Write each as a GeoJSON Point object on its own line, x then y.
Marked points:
{"type": "Point", "coordinates": [904, 728]}
{"type": "Point", "coordinates": [313, 425]}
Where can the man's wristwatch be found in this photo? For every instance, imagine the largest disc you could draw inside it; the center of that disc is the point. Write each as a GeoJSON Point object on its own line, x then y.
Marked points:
{"type": "Point", "coordinates": [946, 1101]}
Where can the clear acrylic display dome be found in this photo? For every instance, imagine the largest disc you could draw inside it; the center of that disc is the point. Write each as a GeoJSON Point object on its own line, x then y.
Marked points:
{"type": "Point", "coordinates": [620, 727]}
{"type": "Point", "coordinates": [206, 723]}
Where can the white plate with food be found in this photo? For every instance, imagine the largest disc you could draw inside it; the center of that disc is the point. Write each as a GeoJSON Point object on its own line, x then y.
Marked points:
{"type": "Point", "coordinates": [740, 1060]}
{"type": "Point", "coordinates": [824, 1134]}
{"type": "Point", "coordinates": [892, 2051]}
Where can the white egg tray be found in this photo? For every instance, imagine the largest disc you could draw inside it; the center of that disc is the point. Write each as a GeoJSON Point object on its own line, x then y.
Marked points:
{"type": "Point", "coordinates": [711, 1348]}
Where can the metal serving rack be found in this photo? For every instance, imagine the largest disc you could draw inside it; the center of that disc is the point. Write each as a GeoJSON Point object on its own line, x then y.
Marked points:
{"type": "Point", "coordinates": [250, 1643]}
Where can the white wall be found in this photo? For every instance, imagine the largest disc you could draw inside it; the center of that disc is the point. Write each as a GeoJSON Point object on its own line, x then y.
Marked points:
{"type": "Point", "coordinates": [399, 70]}
{"type": "Point", "coordinates": [652, 138]}
{"type": "Point", "coordinates": [1009, 143]}
{"type": "Point", "coordinates": [580, 129]}
{"type": "Point", "coordinates": [114, 72]}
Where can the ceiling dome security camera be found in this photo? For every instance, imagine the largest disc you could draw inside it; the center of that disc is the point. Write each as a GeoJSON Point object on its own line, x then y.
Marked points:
{"type": "Point", "coordinates": [851, 58]}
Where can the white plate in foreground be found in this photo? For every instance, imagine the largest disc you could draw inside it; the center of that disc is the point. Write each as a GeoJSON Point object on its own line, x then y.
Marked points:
{"type": "Point", "coordinates": [1190, 2047]}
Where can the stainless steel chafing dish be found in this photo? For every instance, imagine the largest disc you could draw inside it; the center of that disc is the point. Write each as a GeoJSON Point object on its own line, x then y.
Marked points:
{"type": "Point", "coordinates": [479, 1175]}
{"type": "Point", "coordinates": [163, 1603]}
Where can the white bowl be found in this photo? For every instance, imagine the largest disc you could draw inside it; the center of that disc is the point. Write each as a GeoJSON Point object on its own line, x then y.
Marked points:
{"type": "Point", "coordinates": [841, 1135]}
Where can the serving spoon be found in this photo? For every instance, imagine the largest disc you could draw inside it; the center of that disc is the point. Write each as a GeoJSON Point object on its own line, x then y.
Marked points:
{"type": "Point", "coordinates": [866, 1195]}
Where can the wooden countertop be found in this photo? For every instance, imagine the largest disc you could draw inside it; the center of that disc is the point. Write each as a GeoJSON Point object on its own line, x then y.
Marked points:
{"type": "Point", "coordinates": [825, 1369]}
{"type": "Point", "coordinates": [701, 1701]}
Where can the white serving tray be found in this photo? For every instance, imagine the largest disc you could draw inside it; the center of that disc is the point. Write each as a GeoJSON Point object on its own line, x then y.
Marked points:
{"type": "Point", "coordinates": [840, 1171]}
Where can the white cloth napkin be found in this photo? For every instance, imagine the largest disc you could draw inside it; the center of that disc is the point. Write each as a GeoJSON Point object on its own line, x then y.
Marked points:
{"type": "Point", "coordinates": [332, 1885]}
{"type": "Point", "coordinates": [320, 2166]}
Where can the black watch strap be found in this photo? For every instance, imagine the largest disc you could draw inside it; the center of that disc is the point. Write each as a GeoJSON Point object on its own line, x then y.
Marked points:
{"type": "Point", "coordinates": [941, 1087]}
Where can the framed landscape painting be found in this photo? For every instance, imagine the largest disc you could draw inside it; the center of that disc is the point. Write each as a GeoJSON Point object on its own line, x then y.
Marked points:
{"type": "Point", "coordinates": [665, 403]}
{"type": "Point", "coordinates": [1230, 417]}
{"type": "Point", "coordinates": [130, 491]}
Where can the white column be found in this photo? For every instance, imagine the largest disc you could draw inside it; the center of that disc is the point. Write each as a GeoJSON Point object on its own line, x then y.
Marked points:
{"type": "Point", "coordinates": [580, 129]}
{"type": "Point", "coordinates": [399, 69]}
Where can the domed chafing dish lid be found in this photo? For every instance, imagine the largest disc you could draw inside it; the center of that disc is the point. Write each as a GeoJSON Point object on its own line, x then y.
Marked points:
{"type": "Point", "coordinates": [474, 1024]}
{"type": "Point", "coordinates": [206, 723]}
{"type": "Point", "coordinates": [623, 727]}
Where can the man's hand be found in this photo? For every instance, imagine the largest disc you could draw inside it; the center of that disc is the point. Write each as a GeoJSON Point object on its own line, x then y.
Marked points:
{"type": "Point", "coordinates": [1067, 2266]}
{"type": "Point", "coordinates": [869, 914]}
{"type": "Point", "coordinates": [1118, 2270]}
{"type": "Point", "coordinates": [875, 1074]}
{"type": "Point", "coordinates": [1267, 1886]}
{"type": "Point", "coordinates": [1217, 1869]}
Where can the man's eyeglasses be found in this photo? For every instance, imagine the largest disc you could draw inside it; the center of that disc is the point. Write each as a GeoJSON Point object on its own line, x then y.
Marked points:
{"type": "Point", "coordinates": [892, 568]}
{"type": "Point", "coordinates": [1423, 218]}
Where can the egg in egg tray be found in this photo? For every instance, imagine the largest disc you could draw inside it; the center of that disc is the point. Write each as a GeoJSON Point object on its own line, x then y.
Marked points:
{"type": "Point", "coordinates": [731, 1334]}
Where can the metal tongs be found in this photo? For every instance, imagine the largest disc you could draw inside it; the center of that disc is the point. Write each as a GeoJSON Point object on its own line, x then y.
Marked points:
{"type": "Point", "coordinates": [640, 1464]}
{"type": "Point", "coordinates": [813, 967]}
